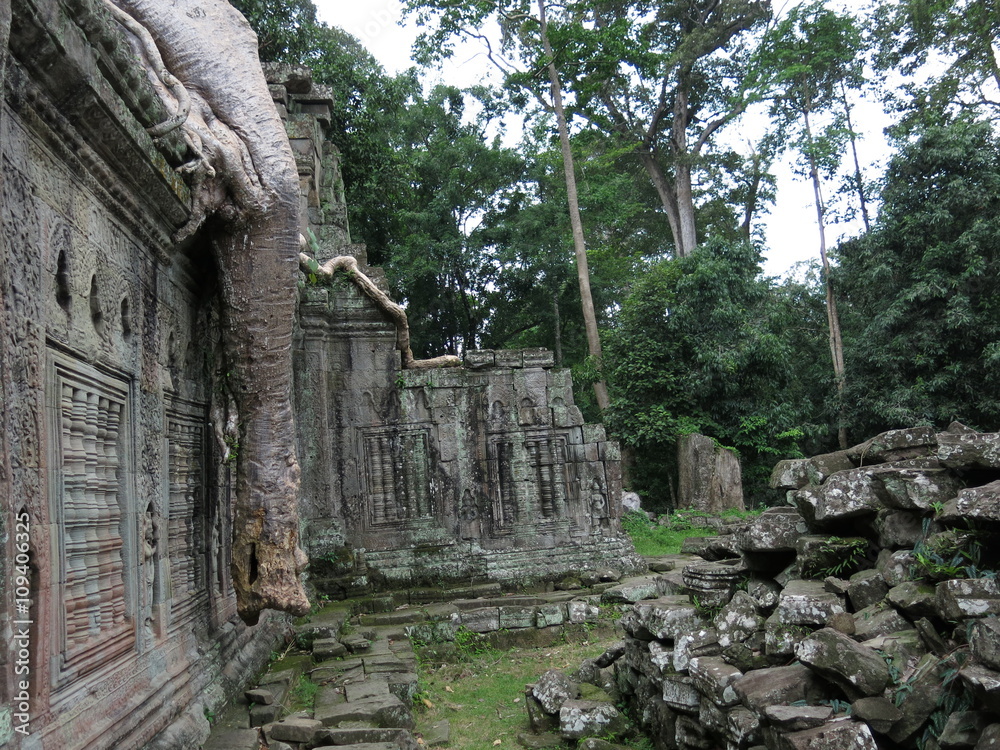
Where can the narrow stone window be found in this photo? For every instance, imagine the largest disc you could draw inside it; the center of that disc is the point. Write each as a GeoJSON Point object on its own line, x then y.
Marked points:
{"type": "Point", "coordinates": [96, 313]}
{"type": "Point", "coordinates": [63, 296]}
{"type": "Point", "coordinates": [126, 314]}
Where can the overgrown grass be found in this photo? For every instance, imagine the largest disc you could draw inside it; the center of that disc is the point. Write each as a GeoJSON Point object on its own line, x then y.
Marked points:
{"type": "Point", "coordinates": [652, 539]}
{"type": "Point", "coordinates": [482, 695]}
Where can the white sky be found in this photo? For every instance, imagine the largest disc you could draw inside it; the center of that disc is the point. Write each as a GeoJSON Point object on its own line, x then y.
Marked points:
{"type": "Point", "coordinates": [790, 227]}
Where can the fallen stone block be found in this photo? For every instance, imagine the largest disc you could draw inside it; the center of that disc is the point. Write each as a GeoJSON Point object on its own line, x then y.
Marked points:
{"type": "Point", "coordinates": [797, 718]}
{"type": "Point", "coordinates": [976, 450]}
{"type": "Point", "coordinates": [356, 643]}
{"type": "Point", "coordinates": [896, 567]}
{"type": "Point", "coordinates": [775, 529]}
{"type": "Point", "coordinates": [919, 489]}
{"type": "Point", "coordinates": [865, 588]}
{"type": "Point", "coordinates": [834, 735]}
{"type": "Point", "coordinates": [553, 689]}
{"type": "Point", "coordinates": [978, 503]}
{"type": "Point", "coordinates": [821, 467]}
{"type": "Point", "coordinates": [790, 474]}
{"type": "Point", "coordinates": [669, 616]}
{"type": "Point", "coordinates": [858, 670]}
{"type": "Point", "coordinates": [819, 556]}
{"type": "Point", "coordinates": [963, 729]}
{"type": "Point", "coordinates": [579, 718]}
{"type": "Point", "coordinates": [742, 727]}
{"type": "Point", "coordinates": [714, 678]}
{"type": "Point", "coordinates": [689, 733]}
{"type": "Point", "coordinates": [899, 529]}
{"type": "Point", "coordinates": [765, 593]}
{"type": "Point", "coordinates": [702, 642]}
{"type": "Point", "coordinates": [990, 739]}
{"type": "Point", "coordinates": [985, 641]}
{"type": "Point", "coordinates": [776, 685]}
{"type": "Point", "coordinates": [914, 599]}
{"type": "Point", "coordinates": [261, 715]}
{"type": "Point", "coordinates": [921, 700]}
{"type": "Point", "coordinates": [259, 696]}
{"type": "Point", "coordinates": [781, 639]}
{"type": "Point", "coordinates": [897, 445]}
{"type": "Point", "coordinates": [846, 494]}
{"type": "Point", "coordinates": [807, 603]}
{"type": "Point", "coordinates": [738, 620]}
{"type": "Point", "coordinates": [878, 619]}
{"type": "Point", "coordinates": [631, 591]}
{"type": "Point", "coordinates": [964, 598]}
{"type": "Point", "coordinates": [531, 741]}
{"type": "Point", "coordinates": [984, 684]}
{"type": "Point", "coordinates": [680, 693]}
{"type": "Point", "coordinates": [878, 712]}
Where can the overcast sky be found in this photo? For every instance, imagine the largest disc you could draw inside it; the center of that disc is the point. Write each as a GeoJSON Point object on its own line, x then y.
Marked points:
{"type": "Point", "coordinates": [791, 230]}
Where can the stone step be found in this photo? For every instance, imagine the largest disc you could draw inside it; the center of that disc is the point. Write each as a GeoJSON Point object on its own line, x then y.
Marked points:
{"type": "Point", "coordinates": [398, 739]}
{"type": "Point", "coordinates": [233, 739]}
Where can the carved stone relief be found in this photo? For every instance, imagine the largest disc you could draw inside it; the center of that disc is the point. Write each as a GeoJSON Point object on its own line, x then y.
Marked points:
{"type": "Point", "coordinates": [397, 478]}
{"type": "Point", "coordinates": [91, 503]}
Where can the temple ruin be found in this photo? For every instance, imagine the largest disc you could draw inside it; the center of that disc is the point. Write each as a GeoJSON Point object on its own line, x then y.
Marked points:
{"type": "Point", "coordinates": [118, 471]}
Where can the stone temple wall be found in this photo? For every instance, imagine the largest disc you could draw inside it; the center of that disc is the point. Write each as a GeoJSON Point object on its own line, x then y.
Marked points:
{"type": "Point", "coordinates": [116, 498]}
{"type": "Point", "coordinates": [413, 477]}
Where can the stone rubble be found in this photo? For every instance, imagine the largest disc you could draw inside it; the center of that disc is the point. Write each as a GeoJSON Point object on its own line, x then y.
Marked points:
{"type": "Point", "coordinates": [866, 613]}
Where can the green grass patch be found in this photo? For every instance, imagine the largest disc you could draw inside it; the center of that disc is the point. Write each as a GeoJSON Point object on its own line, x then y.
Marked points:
{"type": "Point", "coordinates": [482, 695]}
{"type": "Point", "coordinates": [652, 539]}
{"type": "Point", "coordinates": [303, 695]}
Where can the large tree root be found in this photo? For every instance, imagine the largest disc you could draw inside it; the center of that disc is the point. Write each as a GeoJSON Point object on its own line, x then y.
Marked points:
{"type": "Point", "coordinates": [348, 265]}
{"type": "Point", "coordinates": [250, 184]}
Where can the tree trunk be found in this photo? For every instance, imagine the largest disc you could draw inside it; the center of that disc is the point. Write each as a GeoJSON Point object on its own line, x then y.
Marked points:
{"type": "Point", "coordinates": [833, 319]}
{"type": "Point", "coordinates": [859, 184]}
{"type": "Point", "coordinates": [6, 428]}
{"type": "Point", "coordinates": [580, 247]}
{"type": "Point", "coordinates": [211, 49]}
{"type": "Point", "coordinates": [557, 318]}
{"type": "Point", "coordinates": [666, 192]}
{"type": "Point", "coordinates": [688, 240]}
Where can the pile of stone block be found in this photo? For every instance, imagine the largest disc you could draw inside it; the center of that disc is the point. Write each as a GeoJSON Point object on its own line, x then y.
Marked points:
{"type": "Point", "coordinates": [864, 613]}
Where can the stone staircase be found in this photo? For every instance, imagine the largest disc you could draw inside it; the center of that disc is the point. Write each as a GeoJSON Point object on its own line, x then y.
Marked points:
{"type": "Point", "coordinates": [360, 653]}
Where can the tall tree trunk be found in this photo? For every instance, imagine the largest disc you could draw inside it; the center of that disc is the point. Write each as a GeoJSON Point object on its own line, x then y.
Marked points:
{"type": "Point", "coordinates": [580, 247]}
{"type": "Point", "coordinates": [665, 190]}
{"type": "Point", "coordinates": [557, 318]}
{"type": "Point", "coordinates": [682, 174]}
{"type": "Point", "coordinates": [833, 319]}
{"type": "Point", "coordinates": [211, 49]}
{"type": "Point", "coordinates": [858, 182]}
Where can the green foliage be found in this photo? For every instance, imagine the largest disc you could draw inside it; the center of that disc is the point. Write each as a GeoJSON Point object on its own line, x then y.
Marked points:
{"type": "Point", "coordinates": [470, 646]}
{"type": "Point", "coordinates": [922, 319]}
{"type": "Point", "coordinates": [701, 345]}
{"type": "Point", "coordinates": [303, 695]}
{"type": "Point", "coordinates": [653, 539]}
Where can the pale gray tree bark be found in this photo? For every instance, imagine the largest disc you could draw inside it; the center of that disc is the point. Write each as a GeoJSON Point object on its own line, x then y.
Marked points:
{"type": "Point", "coordinates": [252, 190]}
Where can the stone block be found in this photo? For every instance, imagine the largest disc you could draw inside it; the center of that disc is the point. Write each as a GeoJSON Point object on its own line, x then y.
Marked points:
{"type": "Point", "coordinates": [835, 735]}
{"type": "Point", "coordinates": [668, 617]}
{"type": "Point", "coordinates": [965, 598]}
{"type": "Point", "coordinates": [790, 474]}
{"type": "Point", "coordinates": [547, 615]}
{"type": "Point", "coordinates": [714, 678]}
{"type": "Point", "coordinates": [385, 712]}
{"type": "Point", "coordinates": [479, 358]}
{"type": "Point", "coordinates": [509, 358]}
{"type": "Point", "coordinates": [553, 689]}
{"type": "Point", "coordinates": [295, 730]}
{"type": "Point", "coordinates": [567, 416]}
{"type": "Point", "coordinates": [797, 718]}
{"type": "Point", "coordinates": [765, 593]}
{"type": "Point", "coordinates": [742, 727]}
{"type": "Point", "coordinates": [538, 718]}
{"type": "Point", "coordinates": [896, 445]}
{"type": "Point", "coordinates": [688, 645]}
{"type": "Point", "coordinates": [844, 495]}
{"type": "Point", "coordinates": [709, 476]}
{"type": "Point", "coordinates": [680, 693]}
{"type": "Point", "coordinates": [865, 588]}
{"type": "Point", "coordinates": [538, 358]}
{"type": "Point", "coordinates": [738, 620]}
{"type": "Point", "coordinates": [807, 603]}
{"type": "Point", "coordinates": [259, 696]}
{"type": "Point", "coordinates": [776, 685]}
{"type": "Point", "coordinates": [977, 450]}
{"type": "Point", "coordinates": [516, 617]}
{"type": "Point", "coordinates": [775, 529]}
{"type": "Point", "coordinates": [896, 567]}
{"type": "Point", "coordinates": [898, 529]}
{"type": "Point", "coordinates": [821, 467]}
{"type": "Point", "coordinates": [579, 718]}
{"type": "Point", "coordinates": [858, 670]}
{"type": "Point", "coordinates": [963, 729]}
{"type": "Point", "coordinates": [780, 639]}
{"type": "Point", "coordinates": [631, 591]}
{"type": "Point", "coordinates": [917, 489]}
{"type": "Point", "coordinates": [328, 648]}
{"type": "Point", "coordinates": [984, 684]}
{"type": "Point", "coordinates": [914, 599]}
{"type": "Point", "coordinates": [990, 738]}
{"type": "Point", "coordinates": [985, 641]}
{"type": "Point", "coordinates": [977, 503]}
{"type": "Point", "coordinates": [878, 712]}
{"type": "Point", "coordinates": [261, 715]}
{"type": "Point", "coordinates": [878, 619]}
{"type": "Point", "coordinates": [481, 620]}
{"type": "Point", "coordinates": [818, 555]}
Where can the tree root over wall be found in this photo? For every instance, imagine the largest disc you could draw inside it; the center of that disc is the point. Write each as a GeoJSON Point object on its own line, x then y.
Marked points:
{"type": "Point", "coordinates": [246, 194]}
